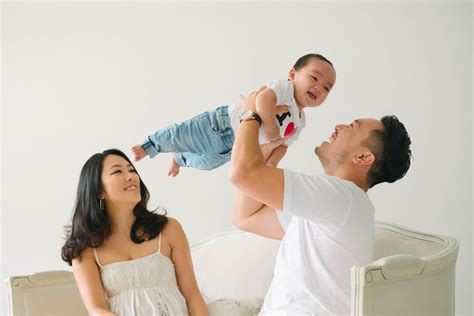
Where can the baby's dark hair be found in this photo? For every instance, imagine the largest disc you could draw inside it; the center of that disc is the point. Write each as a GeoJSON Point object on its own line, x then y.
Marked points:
{"type": "Point", "coordinates": [391, 148]}
{"type": "Point", "coordinates": [303, 60]}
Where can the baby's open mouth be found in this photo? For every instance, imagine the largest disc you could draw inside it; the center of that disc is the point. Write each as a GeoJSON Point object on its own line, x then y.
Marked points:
{"type": "Point", "coordinates": [312, 95]}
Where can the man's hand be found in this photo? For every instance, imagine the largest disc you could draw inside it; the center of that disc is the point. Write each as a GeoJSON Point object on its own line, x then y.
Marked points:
{"type": "Point", "coordinates": [277, 155]}
{"type": "Point", "coordinates": [272, 133]}
{"type": "Point", "coordinates": [267, 149]}
{"type": "Point", "coordinates": [249, 102]}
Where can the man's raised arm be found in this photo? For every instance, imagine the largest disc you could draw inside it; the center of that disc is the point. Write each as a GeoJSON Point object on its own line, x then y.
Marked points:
{"type": "Point", "coordinates": [248, 169]}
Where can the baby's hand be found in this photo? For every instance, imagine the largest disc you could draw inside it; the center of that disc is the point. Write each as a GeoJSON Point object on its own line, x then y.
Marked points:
{"type": "Point", "coordinates": [282, 109]}
{"type": "Point", "coordinates": [174, 167]}
{"type": "Point", "coordinates": [138, 152]}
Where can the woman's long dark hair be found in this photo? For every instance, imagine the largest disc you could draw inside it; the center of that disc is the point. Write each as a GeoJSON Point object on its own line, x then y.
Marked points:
{"type": "Point", "coordinates": [91, 225]}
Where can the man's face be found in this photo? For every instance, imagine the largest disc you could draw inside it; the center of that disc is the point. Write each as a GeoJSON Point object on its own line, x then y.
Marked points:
{"type": "Point", "coordinates": [345, 142]}
{"type": "Point", "coordinates": [313, 82]}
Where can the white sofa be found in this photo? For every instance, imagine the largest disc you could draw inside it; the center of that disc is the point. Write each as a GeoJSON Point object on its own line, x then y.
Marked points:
{"type": "Point", "coordinates": [414, 274]}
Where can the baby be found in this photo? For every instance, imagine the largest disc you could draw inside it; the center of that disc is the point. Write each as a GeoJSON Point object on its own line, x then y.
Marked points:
{"type": "Point", "coordinates": [205, 141]}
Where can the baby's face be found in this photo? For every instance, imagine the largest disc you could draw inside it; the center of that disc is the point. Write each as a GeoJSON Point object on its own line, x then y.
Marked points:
{"type": "Point", "coordinates": [313, 82]}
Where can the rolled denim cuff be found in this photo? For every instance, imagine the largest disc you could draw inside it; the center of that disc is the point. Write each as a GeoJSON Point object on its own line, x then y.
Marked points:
{"type": "Point", "coordinates": [179, 158]}
{"type": "Point", "coordinates": [150, 149]}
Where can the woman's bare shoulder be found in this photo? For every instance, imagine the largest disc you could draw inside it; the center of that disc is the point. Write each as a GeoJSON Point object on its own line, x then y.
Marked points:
{"type": "Point", "coordinates": [173, 231]}
{"type": "Point", "coordinates": [173, 224]}
{"type": "Point", "coordinates": [87, 255]}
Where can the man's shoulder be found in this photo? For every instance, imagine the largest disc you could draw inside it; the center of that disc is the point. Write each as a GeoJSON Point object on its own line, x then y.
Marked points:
{"type": "Point", "coordinates": [315, 176]}
{"type": "Point", "coordinates": [322, 180]}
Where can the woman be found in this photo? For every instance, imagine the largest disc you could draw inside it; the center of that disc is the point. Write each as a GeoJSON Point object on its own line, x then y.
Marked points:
{"type": "Point", "coordinates": [126, 259]}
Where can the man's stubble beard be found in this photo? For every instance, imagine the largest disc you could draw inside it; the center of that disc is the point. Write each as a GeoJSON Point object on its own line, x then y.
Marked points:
{"type": "Point", "coordinates": [338, 159]}
{"type": "Point", "coordinates": [324, 161]}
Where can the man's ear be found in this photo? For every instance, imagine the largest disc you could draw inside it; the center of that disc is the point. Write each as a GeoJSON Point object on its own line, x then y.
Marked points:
{"type": "Point", "coordinates": [365, 158]}
{"type": "Point", "coordinates": [291, 74]}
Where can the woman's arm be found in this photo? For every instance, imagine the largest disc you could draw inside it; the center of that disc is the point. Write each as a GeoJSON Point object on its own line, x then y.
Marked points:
{"type": "Point", "coordinates": [181, 257]}
{"type": "Point", "coordinates": [88, 281]}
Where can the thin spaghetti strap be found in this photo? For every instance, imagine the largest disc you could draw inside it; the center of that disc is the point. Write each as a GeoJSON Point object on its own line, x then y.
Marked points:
{"type": "Point", "coordinates": [159, 243]}
{"type": "Point", "coordinates": [97, 258]}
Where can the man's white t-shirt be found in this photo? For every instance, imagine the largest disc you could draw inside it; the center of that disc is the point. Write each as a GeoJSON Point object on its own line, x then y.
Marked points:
{"type": "Point", "coordinates": [329, 227]}
{"type": "Point", "coordinates": [293, 120]}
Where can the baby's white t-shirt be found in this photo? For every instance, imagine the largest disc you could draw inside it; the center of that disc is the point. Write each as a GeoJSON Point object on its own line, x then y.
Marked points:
{"type": "Point", "coordinates": [329, 227]}
{"type": "Point", "coordinates": [293, 120]}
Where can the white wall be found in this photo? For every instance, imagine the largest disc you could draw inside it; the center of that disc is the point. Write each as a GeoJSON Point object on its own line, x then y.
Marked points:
{"type": "Point", "coordinates": [472, 146]}
{"type": "Point", "coordinates": [80, 78]}
{"type": "Point", "coordinates": [1, 162]}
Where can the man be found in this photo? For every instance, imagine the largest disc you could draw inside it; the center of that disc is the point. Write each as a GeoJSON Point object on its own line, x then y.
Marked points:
{"type": "Point", "coordinates": [325, 222]}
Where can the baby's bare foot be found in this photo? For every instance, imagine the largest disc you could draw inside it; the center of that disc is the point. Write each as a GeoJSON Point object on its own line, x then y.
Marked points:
{"type": "Point", "coordinates": [174, 167]}
{"type": "Point", "coordinates": [138, 152]}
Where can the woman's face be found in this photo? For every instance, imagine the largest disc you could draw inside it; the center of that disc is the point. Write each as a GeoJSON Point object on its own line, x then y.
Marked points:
{"type": "Point", "coordinates": [120, 182]}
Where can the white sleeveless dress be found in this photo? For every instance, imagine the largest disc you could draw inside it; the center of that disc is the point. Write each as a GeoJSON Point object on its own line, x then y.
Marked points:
{"type": "Point", "coordinates": [143, 286]}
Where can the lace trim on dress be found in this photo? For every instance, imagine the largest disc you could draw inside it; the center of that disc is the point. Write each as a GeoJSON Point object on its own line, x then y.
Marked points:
{"type": "Point", "coordinates": [164, 311]}
{"type": "Point", "coordinates": [101, 266]}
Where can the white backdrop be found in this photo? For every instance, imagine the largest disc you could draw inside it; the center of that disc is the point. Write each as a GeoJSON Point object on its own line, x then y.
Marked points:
{"type": "Point", "coordinates": [80, 78]}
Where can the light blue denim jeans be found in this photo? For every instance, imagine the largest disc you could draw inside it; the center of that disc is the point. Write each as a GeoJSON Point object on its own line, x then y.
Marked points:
{"type": "Point", "coordinates": [202, 142]}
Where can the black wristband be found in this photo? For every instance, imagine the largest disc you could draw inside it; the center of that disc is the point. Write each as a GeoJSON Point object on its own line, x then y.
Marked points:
{"type": "Point", "coordinates": [249, 115]}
